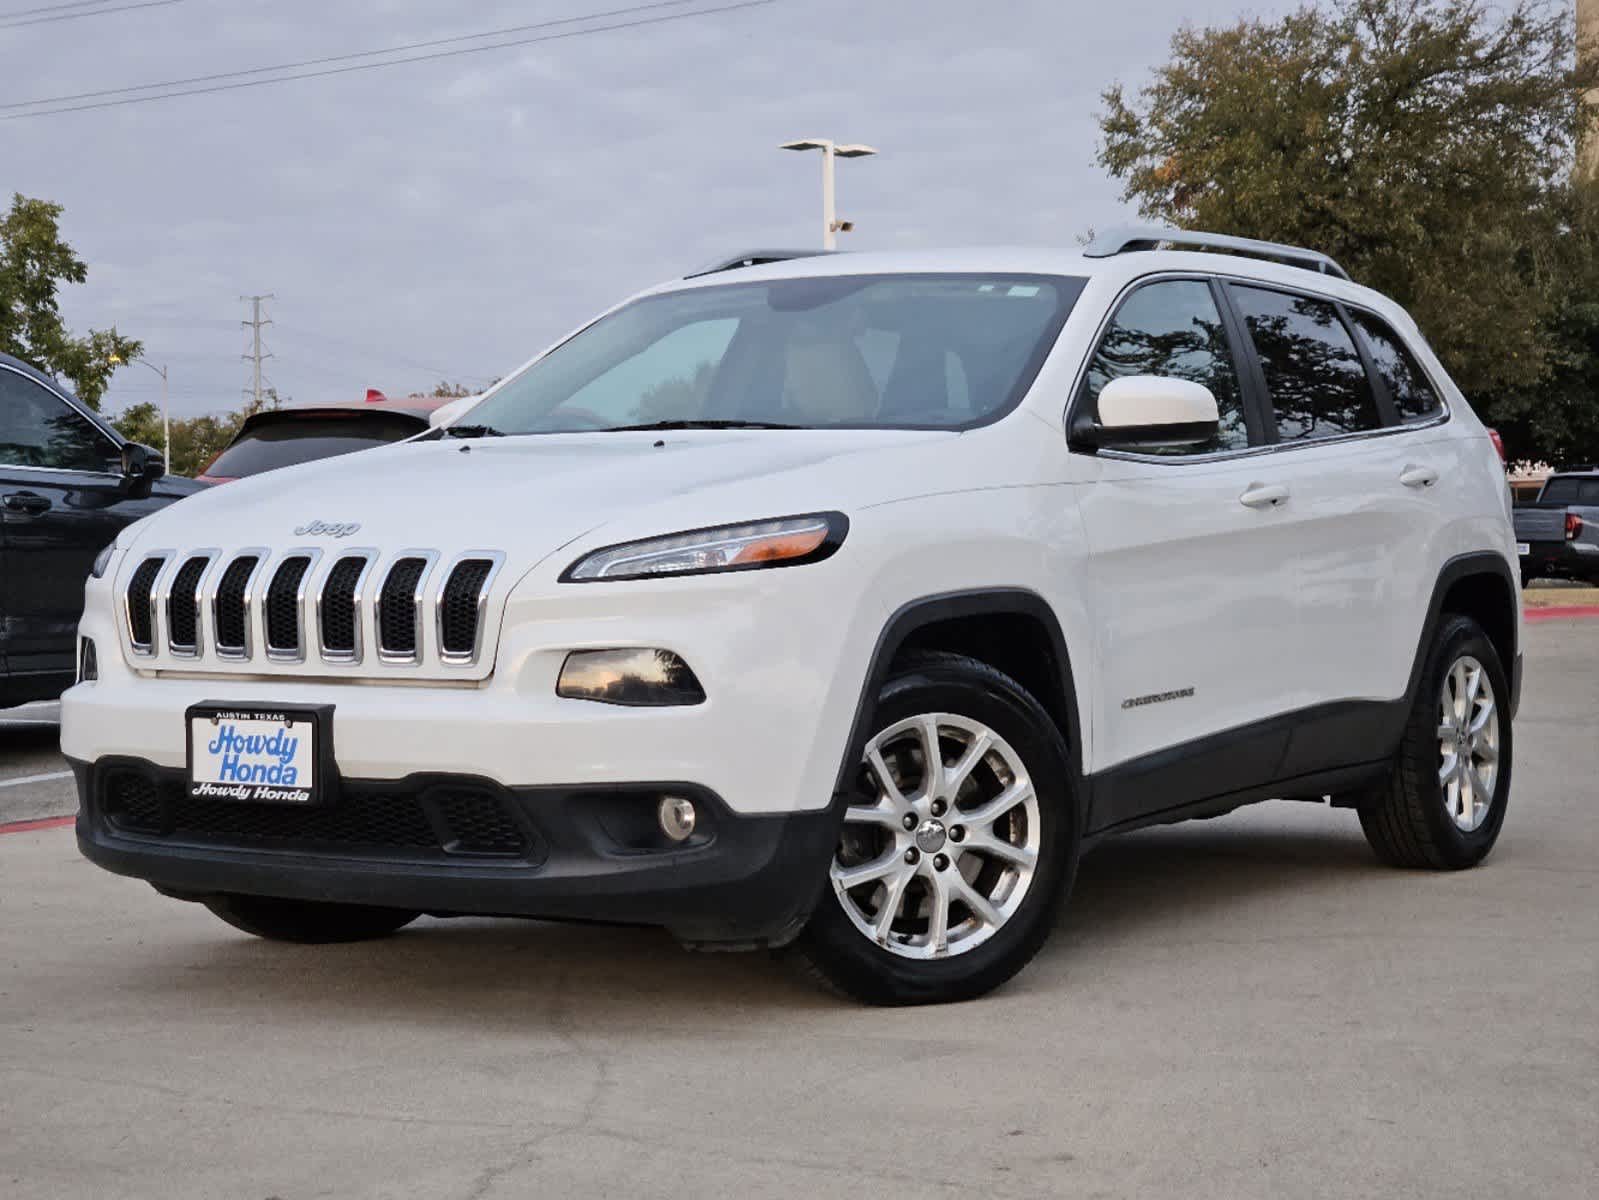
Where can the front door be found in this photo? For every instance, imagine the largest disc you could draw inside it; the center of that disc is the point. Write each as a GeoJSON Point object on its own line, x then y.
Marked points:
{"type": "Point", "coordinates": [1190, 576]}
{"type": "Point", "coordinates": [62, 499]}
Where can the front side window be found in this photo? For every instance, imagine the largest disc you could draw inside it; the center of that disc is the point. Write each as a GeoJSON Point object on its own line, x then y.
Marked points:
{"type": "Point", "coordinates": [1398, 369]}
{"type": "Point", "coordinates": [1314, 375]}
{"type": "Point", "coordinates": [39, 429]}
{"type": "Point", "coordinates": [859, 352]}
{"type": "Point", "coordinates": [1173, 328]}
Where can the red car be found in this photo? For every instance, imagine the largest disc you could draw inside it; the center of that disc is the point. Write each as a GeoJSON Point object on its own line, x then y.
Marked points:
{"type": "Point", "coordinates": [284, 437]}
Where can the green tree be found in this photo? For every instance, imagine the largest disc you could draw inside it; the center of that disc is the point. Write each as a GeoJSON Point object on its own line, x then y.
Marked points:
{"type": "Point", "coordinates": [34, 263]}
{"type": "Point", "coordinates": [1427, 145]}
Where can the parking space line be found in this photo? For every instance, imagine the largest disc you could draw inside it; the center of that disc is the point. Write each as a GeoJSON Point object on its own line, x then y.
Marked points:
{"type": "Point", "coordinates": [41, 823]}
{"type": "Point", "coordinates": [22, 779]}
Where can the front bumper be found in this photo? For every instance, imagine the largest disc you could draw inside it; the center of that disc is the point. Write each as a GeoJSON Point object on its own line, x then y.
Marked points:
{"type": "Point", "coordinates": [458, 845]}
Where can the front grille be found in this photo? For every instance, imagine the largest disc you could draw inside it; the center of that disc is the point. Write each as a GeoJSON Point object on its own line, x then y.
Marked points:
{"type": "Point", "coordinates": [338, 614]}
{"type": "Point", "coordinates": [459, 606]}
{"type": "Point", "coordinates": [232, 607]}
{"type": "Point", "coordinates": [283, 606]}
{"type": "Point", "coordinates": [398, 609]}
{"type": "Point", "coordinates": [416, 620]}
{"type": "Point", "coordinates": [183, 606]}
{"type": "Point", "coordinates": [141, 622]}
{"type": "Point", "coordinates": [369, 821]}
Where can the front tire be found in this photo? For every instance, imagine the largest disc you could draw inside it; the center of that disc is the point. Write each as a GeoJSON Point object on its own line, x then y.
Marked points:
{"type": "Point", "coordinates": [1444, 804]}
{"type": "Point", "coordinates": [308, 922]}
{"type": "Point", "coordinates": [950, 865]}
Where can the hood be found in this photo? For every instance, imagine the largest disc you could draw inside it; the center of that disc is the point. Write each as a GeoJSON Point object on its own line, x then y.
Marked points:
{"type": "Point", "coordinates": [526, 496]}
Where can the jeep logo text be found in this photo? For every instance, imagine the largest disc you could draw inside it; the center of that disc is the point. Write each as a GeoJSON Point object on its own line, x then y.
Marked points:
{"type": "Point", "coordinates": [327, 529]}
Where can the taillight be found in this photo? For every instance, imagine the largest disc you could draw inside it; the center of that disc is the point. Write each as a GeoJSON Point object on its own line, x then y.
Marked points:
{"type": "Point", "coordinates": [1573, 525]}
{"type": "Point", "coordinates": [1499, 443]}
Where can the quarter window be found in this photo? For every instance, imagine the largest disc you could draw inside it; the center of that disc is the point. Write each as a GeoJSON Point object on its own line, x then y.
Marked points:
{"type": "Point", "coordinates": [38, 429]}
{"type": "Point", "coordinates": [1173, 328]}
{"type": "Point", "coordinates": [1314, 375]}
{"type": "Point", "coordinates": [1398, 369]}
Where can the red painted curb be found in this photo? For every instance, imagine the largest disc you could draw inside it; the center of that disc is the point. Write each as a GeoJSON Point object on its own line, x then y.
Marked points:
{"type": "Point", "coordinates": [1560, 610]}
{"type": "Point", "coordinates": [41, 823]}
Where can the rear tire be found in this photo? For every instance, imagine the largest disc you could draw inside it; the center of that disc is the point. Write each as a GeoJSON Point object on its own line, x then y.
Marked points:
{"type": "Point", "coordinates": [961, 872]}
{"type": "Point", "coordinates": [1444, 804]}
{"type": "Point", "coordinates": [309, 922]}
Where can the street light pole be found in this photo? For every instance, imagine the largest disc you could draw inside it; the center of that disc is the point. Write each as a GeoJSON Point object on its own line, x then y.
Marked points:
{"type": "Point", "coordinates": [831, 225]}
{"type": "Point", "coordinates": [166, 422]}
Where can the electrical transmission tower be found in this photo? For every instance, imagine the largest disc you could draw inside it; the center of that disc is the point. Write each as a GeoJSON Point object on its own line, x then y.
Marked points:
{"type": "Point", "coordinates": [257, 355]}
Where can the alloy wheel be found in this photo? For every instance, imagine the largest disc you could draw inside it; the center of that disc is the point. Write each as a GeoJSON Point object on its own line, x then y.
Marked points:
{"type": "Point", "coordinates": [945, 853]}
{"type": "Point", "coordinates": [1468, 743]}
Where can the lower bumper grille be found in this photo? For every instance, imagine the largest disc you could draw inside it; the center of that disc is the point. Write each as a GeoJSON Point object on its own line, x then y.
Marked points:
{"type": "Point", "coordinates": [445, 820]}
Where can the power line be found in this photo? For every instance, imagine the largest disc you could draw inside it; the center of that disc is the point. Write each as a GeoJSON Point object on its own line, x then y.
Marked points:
{"type": "Point", "coordinates": [124, 95]}
{"type": "Point", "coordinates": [75, 16]}
{"type": "Point", "coordinates": [50, 8]}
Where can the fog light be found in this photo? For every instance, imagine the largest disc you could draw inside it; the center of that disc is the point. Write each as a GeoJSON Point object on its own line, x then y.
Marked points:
{"type": "Point", "coordinates": [88, 661]}
{"type": "Point", "coordinates": [677, 817]}
{"type": "Point", "coordinates": [639, 677]}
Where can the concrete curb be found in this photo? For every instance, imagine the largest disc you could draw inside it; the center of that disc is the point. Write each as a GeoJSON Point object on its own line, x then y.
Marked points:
{"type": "Point", "coordinates": [41, 823]}
{"type": "Point", "coordinates": [1560, 611]}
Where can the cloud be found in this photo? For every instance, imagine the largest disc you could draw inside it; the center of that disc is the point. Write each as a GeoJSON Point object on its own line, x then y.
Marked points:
{"type": "Point", "coordinates": [451, 217]}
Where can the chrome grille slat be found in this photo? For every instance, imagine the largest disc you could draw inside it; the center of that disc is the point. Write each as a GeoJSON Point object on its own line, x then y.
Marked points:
{"type": "Point", "coordinates": [256, 603]}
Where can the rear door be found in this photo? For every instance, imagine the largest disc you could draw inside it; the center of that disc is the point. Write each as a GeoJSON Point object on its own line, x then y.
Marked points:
{"type": "Point", "coordinates": [62, 499]}
{"type": "Point", "coordinates": [1190, 573]}
{"type": "Point", "coordinates": [1364, 490]}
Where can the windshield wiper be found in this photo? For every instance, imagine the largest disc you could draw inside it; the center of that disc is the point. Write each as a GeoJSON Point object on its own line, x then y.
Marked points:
{"type": "Point", "coordinates": [700, 424]}
{"type": "Point", "coordinates": [472, 431]}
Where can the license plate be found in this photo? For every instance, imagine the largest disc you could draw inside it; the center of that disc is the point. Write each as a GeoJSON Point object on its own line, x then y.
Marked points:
{"type": "Point", "coordinates": [1523, 548]}
{"type": "Point", "coordinates": [257, 755]}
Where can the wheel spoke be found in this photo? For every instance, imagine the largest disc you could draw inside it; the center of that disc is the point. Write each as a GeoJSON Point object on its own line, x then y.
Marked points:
{"type": "Point", "coordinates": [850, 878]}
{"type": "Point", "coordinates": [1450, 767]}
{"type": "Point", "coordinates": [938, 898]}
{"type": "Point", "coordinates": [980, 905]}
{"type": "Point", "coordinates": [1486, 750]}
{"type": "Point", "coordinates": [1458, 677]}
{"type": "Point", "coordinates": [1480, 721]}
{"type": "Point", "coordinates": [991, 810]}
{"type": "Point", "coordinates": [883, 813]}
{"type": "Point", "coordinates": [994, 847]}
{"type": "Point", "coordinates": [932, 759]}
{"type": "Point", "coordinates": [1473, 686]}
{"type": "Point", "coordinates": [892, 901]}
{"type": "Point", "coordinates": [885, 777]}
{"type": "Point", "coordinates": [969, 759]}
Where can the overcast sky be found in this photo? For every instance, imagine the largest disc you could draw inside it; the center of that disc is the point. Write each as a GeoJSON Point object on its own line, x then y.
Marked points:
{"type": "Point", "coordinates": [448, 218]}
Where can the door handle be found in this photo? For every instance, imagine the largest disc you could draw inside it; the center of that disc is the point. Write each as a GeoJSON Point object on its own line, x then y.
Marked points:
{"type": "Point", "coordinates": [1418, 477]}
{"type": "Point", "coordinates": [25, 502]}
{"type": "Point", "coordinates": [1264, 495]}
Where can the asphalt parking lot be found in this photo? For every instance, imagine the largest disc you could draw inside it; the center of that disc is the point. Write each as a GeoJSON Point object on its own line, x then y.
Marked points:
{"type": "Point", "coordinates": [1237, 1008]}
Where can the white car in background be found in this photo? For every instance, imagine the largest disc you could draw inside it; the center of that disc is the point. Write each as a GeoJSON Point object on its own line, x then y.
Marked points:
{"type": "Point", "coordinates": [836, 600]}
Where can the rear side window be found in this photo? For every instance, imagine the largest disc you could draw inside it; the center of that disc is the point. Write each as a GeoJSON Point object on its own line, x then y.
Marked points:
{"type": "Point", "coordinates": [1573, 489]}
{"type": "Point", "coordinates": [1173, 328]}
{"type": "Point", "coordinates": [1314, 376]}
{"type": "Point", "coordinates": [1400, 372]}
{"type": "Point", "coordinates": [288, 443]}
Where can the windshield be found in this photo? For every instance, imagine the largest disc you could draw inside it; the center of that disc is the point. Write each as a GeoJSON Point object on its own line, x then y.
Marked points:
{"type": "Point", "coordinates": [860, 352]}
{"type": "Point", "coordinates": [289, 443]}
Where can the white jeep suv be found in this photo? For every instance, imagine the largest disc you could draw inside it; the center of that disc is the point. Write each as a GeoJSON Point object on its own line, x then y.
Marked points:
{"type": "Point", "coordinates": [836, 600]}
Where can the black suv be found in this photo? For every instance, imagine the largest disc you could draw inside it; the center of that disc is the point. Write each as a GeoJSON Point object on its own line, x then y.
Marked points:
{"type": "Point", "coordinates": [68, 484]}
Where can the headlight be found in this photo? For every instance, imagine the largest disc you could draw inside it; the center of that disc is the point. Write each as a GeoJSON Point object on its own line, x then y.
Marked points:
{"type": "Point", "coordinates": [784, 542]}
{"type": "Point", "coordinates": [102, 561]}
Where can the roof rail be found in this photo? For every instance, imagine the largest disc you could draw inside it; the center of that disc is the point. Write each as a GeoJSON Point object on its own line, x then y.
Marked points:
{"type": "Point", "coordinates": [753, 258]}
{"type": "Point", "coordinates": [1155, 237]}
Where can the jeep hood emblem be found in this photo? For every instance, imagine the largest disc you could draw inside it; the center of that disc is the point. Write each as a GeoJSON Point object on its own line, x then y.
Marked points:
{"type": "Point", "coordinates": [328, 529]}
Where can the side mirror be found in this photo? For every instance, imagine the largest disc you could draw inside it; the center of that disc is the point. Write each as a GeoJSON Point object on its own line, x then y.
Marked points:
{"type": "Point", "coordinates": [1148, 412]}
{"type": "Point", "coordinates": [141, 464]}
{"type": "Point", "coordinates": [446, 414]}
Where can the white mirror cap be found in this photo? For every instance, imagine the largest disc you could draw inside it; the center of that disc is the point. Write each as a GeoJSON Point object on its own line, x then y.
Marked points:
{"type": "Point", "coordinates": [445, 414]}
{"type": "Point", "coordinates": [1139, 401]}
